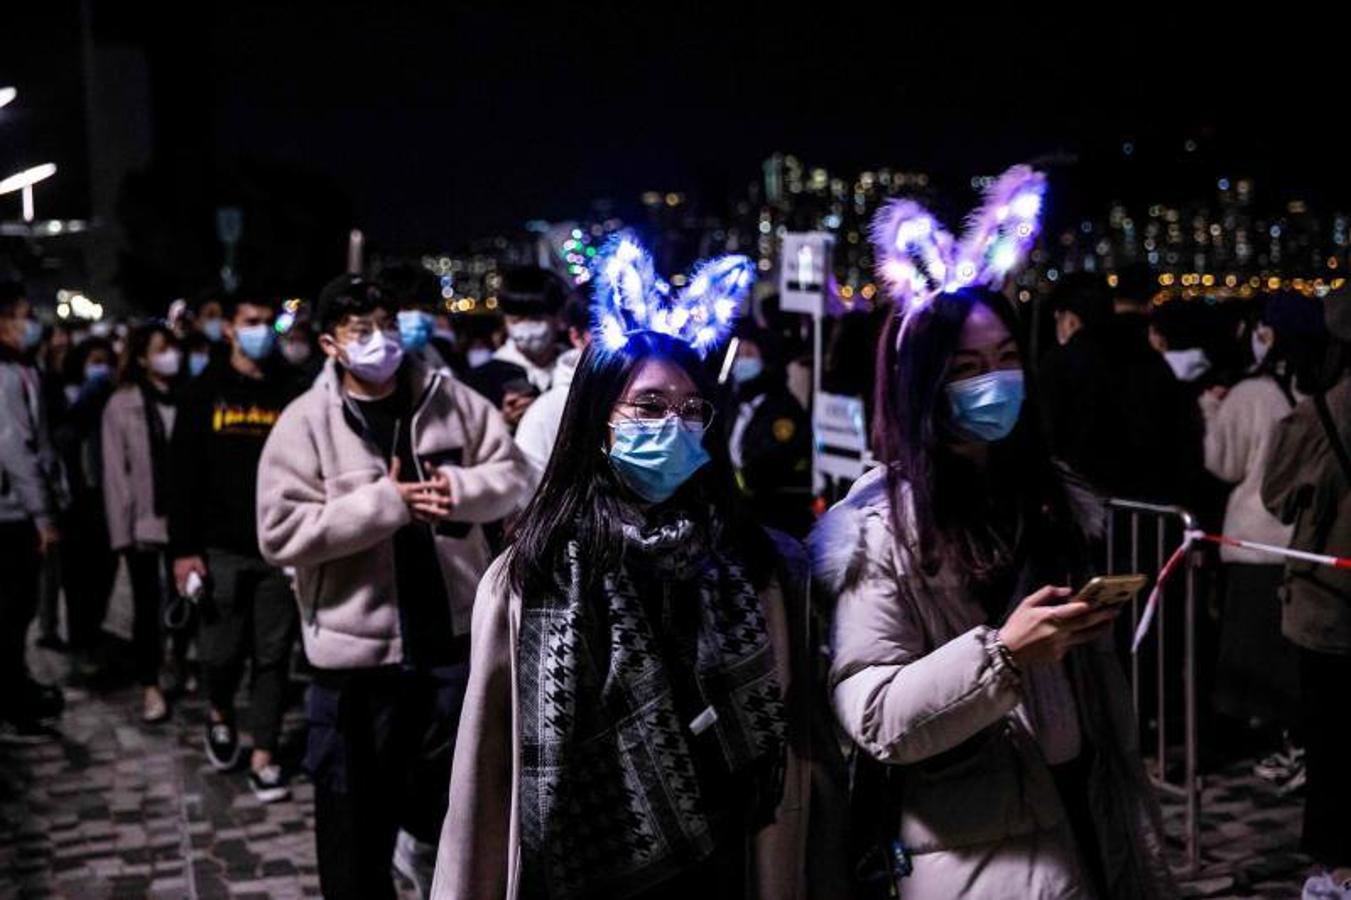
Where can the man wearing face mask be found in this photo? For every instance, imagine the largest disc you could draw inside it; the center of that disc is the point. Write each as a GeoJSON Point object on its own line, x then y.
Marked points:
{"type": "Point", "coordinates": [224, 419]}
{"type": "Point", "coordinates": [28, 495]}
{"type": "Point", "coordinates": [415, 293]}
{"type": "Point", "coordinates": [538, 430]}
{"type": "Point", "coordinates": [374, 486]}
{"type": "Point", "coordinates": [770, 441]}
{"type": "Point", "coordinates": [525, 366]}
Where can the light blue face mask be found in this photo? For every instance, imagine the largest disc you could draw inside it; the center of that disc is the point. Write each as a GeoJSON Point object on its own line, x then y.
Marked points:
{"type": "Point", "coordinates": [747, 368]}
{"type": "Point", "coordinates": [986, 407]}
{"type": "Point", "coordinates": [256, 340]}
{"type": "Point", "coordinates": [654, 457]}
{"type": "Point", "coordinates": [32, 334]}
{"type": "Point", "coordinates": [197, 363]}
{"type": "Point", "coordinates": [415, 329]}
{"type": "Point", "coordinates": [213, 329]}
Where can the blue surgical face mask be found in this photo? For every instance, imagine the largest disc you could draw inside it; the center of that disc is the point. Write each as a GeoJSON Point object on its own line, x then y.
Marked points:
{"type": "Point", "coordinates": [213, 329]}
{"type": "Point", "coordinates": [97, 371]}
{"type": "Point", "coordinates": [256, 340]}
{"type": "Point", "coordinates": [197, 363]}
{"type": "Point", "coordinates": [986, 407]}
{"type": "Point", "coordinates": [415, 329]}
{"type": "Point", "coordinates": [654, 457]}
{"type": "Point", "coordinates": [32, 334]}
{"type": "Point", "coordinates": [747, 368]}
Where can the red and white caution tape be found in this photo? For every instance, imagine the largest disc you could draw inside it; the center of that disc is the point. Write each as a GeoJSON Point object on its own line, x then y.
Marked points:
{"type": "Point", "coordinates": [1147, 617]}
{"type": "Point", "coordinates": [1191, 537]}
{"type": "Point", "coordinates": [1322, 559]}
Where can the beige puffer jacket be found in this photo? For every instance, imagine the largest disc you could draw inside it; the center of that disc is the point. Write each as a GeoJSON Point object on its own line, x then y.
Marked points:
{"type": "Point", "coordinates": [915, 681]}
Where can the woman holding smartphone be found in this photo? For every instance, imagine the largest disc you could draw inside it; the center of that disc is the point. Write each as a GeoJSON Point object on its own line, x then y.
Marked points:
{"type": "Point", "coordinates": [959, 653]}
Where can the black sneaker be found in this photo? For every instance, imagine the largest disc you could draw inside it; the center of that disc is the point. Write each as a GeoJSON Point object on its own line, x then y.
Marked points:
{"type": "Point", "coordinates": [222, 746]}
{"type": "Point", "coordinates": [269, 784]}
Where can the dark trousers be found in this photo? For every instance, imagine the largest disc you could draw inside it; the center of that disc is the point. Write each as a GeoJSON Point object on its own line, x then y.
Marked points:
{"type": "Point", "coordinates": [49, 596]}
{"type": "Point", "coordinates": [1324, 681]}
{"type": "Point", "coordinates": [149, 573]}
{"type": "Point", "coordinates": [249, 615]}
{"type": "Point", "coordinates": [88, 568]}
{"type": "Point", "coordinates": [379, 753]}
{"type": "Point", "coordinates": [1257, 673]}
{"type": "Point", "coordinates": [20, 563]}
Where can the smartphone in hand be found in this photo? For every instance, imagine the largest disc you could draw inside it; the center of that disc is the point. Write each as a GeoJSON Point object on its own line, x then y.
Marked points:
{"type": "Point", "coordinates": [1111, 590]}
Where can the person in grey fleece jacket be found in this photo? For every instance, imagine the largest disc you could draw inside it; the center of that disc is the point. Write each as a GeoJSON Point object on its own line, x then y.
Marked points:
{"type": "Point", "coordinates": [27, 506]}
{"type": "Point", "coordinates": [374, 486]}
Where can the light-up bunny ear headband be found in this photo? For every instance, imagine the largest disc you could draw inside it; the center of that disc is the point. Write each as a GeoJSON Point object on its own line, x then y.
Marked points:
{"type": "Point", "coordinates": [628, 296]}
{"type": "Point", "coordinates": [917, 259]}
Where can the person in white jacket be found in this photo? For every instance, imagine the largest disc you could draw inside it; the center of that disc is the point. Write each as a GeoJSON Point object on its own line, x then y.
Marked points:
{"type": "Point", "coordinates": [1257, 671]}
{"type": "Point", "coordinates": [538, 430]}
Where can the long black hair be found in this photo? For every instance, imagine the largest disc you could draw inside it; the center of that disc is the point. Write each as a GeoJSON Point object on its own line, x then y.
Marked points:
{"type": "Point", "coordinates": [580, 499]}
{"type": "Point", "coordinates": [958, 514]}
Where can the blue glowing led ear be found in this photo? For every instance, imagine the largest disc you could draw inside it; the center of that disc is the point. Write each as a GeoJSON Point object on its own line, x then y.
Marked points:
{"type": "Point", "coordinates": [624, 285]}
{"type": "Point", "coordinates": [707, 308]}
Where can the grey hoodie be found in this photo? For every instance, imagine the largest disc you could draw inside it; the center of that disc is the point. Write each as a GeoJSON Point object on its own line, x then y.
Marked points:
{"type": "Point", "coordinates": [28, 464]}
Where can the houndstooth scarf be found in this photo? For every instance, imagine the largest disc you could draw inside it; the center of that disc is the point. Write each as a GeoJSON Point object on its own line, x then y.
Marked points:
{"type": "Point", "coordinates": [610, 802]}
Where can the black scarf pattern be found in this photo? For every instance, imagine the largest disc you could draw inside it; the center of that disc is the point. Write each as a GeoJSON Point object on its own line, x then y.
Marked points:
{"type": "Point", "coordinates": [610, 796]}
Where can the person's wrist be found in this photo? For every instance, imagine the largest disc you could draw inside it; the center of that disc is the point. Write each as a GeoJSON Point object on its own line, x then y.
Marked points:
{"type": "Point", "coordinates": [1001, 652]}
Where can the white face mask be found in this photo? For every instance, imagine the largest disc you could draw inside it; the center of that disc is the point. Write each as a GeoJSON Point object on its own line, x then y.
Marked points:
{"type": "Point", "coordinates": [166, 363]}
{"type": "Point", "coordinates": [1260, 348]}
{"type": "Point", "coordinates": [531, 337]}
{"type": "Point", "coordinates": [376, 360]}
{"type": "Point", "coordinates": [477, 356]}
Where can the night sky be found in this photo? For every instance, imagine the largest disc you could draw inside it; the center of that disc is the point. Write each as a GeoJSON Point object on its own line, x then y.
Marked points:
{"type": "Point", "coordinates": [438, 124]}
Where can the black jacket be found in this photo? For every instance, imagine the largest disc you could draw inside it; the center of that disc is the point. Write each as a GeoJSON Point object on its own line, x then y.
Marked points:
{"type": "Point", "coordinates": [223, 420]}
{"type": "Point", "coordinates": [775, 455]}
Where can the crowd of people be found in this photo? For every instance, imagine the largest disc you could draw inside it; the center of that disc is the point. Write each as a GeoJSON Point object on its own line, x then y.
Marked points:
{"type": "Point", "coordinates": [547, 573]}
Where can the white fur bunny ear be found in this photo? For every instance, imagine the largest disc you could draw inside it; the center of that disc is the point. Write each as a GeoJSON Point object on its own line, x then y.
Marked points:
{"type": "Point", "coordinates": [914, 254]}
{"type": "Point", "coordinates": [707, 307]}
{"type": "Point", "coordinates": [1000, 235]}
{"type": "Point", "coordinates": [624, 290]}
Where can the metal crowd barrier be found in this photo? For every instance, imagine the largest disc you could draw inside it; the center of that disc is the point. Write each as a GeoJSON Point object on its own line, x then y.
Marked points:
{"type": "Point", "coordinates": [1157, 522]}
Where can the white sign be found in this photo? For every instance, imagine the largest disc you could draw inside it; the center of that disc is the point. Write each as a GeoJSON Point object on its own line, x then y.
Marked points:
{"type": "Point", "coordinates": [840, 438]}
{"type": "Point", "coordinates": [804, 264]}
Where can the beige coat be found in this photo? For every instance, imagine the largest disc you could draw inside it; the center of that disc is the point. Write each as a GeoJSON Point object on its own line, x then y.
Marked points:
{"type": "Point", "coordinates": [480, 855]}
{"type": "Point", "coordinates": [327, 506]}
{"type": "Point", "coordinates": [128, 476]}
{"type": "Point", "coordinates": [916, 682]}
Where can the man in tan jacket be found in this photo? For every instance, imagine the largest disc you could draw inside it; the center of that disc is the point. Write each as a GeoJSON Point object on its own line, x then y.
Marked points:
{"type": "Point", "coordinates": [374, 486]}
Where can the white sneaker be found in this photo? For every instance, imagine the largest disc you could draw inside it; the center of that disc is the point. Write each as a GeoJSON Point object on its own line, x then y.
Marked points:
{"type": "Point", "coordinates": [269, 784]}
{"type": "Point", "coordinates": [1295, 783]}
{"type": "Point", "coordinates": [1279, 765]}
{"type": "Point", "coordinates": [415, 861]}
